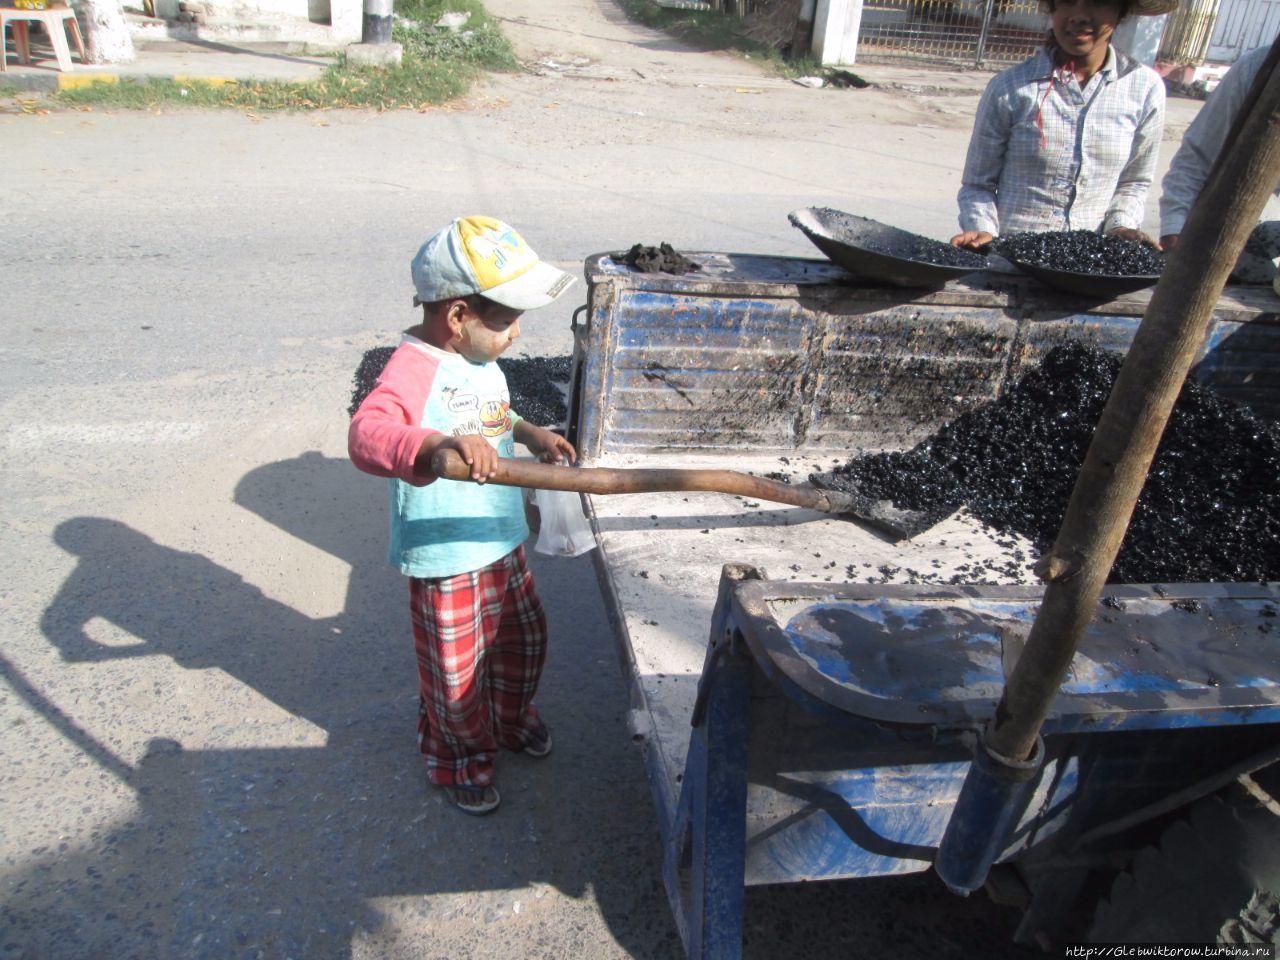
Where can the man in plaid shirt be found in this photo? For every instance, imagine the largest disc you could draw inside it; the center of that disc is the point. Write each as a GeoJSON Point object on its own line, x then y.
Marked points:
{"type": "Point", "coordinates": [1068, 139]}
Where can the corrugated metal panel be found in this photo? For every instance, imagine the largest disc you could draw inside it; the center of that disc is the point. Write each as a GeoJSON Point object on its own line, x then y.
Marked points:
{"type": "Point", "coordinates": [891, 377]}
{"type": "Point", "coordinates": [845, 366]}
{"type": "Point", "coordinates": [737, 8]}
{"type": "Point", "coordinates": [1042, 334]}
{"type": "Point", "coordinates": [708, 373]}
{"type": "Point", "coordinates": [1241, 26]}
{"type": "Point", "coordinates": [705, 372]}
{"type": "Point", "coordinates": [1241, 364]}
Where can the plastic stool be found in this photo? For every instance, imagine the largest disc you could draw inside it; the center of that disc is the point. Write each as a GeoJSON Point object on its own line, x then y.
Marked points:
{"type": "Point", "coordinates": [56, 21]}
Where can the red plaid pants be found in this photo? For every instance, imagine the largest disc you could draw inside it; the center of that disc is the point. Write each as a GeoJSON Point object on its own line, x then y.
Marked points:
{"type": "Point", "coordinates": [481, 640]}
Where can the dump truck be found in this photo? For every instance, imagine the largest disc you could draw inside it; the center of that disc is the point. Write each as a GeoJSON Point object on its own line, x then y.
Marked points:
{"type": "Point", "coordinates": [805, 714]}
{"type": "Point", "coordinates": [823, 692]}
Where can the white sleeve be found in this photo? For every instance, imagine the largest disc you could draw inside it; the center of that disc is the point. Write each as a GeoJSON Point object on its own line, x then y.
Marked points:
{"type": "Point", "coordinates": [1204, 138]}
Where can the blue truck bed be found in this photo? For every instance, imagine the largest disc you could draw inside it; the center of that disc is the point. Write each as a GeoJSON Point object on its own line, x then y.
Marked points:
{"type": "Point", "coordinates": [852, 736]}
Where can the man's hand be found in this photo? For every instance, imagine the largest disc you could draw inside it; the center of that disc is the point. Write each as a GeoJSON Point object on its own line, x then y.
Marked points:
{"type": "Point", "coordinates": [972, 240]}
{"type": "Point", "coordinates": [1137, 236]}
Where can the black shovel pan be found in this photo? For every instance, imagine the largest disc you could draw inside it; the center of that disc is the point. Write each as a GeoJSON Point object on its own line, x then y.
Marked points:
{"type": "Point", "coordinates": [877, 251]}
{"type": "Point", "coordinates": [1097, 285]}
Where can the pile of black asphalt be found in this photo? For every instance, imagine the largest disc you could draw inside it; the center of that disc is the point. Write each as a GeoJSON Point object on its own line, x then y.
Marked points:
{"type": "Point", "coordinates": [1210, 510]}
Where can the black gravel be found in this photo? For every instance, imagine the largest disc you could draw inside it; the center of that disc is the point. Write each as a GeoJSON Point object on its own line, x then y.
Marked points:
{"type": "Point", "coordinates": [534, 394]}
{"type": "Point", "coordinates": [532, 381]}
{"type": "Point", "coordinates": [867, 234]}
{"type": "Point", "coordinates": [366, 376]}
{"type": "Point", "coordinates": [927, 250]}
{"type": "Point", "coordinates": [1082, 251]}
{"type": "Point", "coordinates": [1210, 510]}
{"type": "Point", "coordinates": [660, 259]}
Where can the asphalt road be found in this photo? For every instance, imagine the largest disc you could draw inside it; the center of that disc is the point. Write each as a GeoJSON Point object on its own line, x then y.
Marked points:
{"type": "Point", "coordinates": [208, 691]}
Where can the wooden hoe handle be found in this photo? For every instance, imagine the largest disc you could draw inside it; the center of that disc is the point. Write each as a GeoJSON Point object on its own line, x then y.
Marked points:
{"type": "Point", "coordinates": [605, 480]}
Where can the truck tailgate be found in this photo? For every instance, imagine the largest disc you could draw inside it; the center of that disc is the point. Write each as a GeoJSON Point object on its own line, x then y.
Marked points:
{"type": "Point", "coordinates": [660, 557]}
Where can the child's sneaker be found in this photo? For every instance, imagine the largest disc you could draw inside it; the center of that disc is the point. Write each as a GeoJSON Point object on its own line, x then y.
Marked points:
{"type": "Point", "coordinates": [476, 801]}
{"type": "Point", "coordinates": [539, 744]}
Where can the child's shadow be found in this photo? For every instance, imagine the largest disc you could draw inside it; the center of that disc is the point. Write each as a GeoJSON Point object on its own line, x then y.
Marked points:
{"type": "Point", "coordinates": [284, 848]}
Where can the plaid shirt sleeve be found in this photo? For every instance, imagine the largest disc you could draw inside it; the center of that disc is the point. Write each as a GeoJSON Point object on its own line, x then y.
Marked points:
{"type": "Point", "coordinates": [984, 163]}
{"type": "Point", "coordinates": [1130, 196]}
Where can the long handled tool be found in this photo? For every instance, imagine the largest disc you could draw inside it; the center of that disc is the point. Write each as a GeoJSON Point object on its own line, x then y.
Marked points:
{"type": "Point", "coordinates": [882, 515]}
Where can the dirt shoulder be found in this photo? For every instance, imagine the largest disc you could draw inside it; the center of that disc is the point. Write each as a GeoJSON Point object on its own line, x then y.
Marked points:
{"type": "Point", "coordinates": [595, 39]}
{"type": "Point", "coordinates": [592, 43]}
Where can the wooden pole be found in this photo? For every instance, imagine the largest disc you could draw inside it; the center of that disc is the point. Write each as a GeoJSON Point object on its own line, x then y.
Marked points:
{"type": "Point", "coordinates": [1135, 416]}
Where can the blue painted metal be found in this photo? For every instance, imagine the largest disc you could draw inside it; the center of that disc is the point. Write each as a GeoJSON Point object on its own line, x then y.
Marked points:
{"type": "Point", "coordinates": [835, 792]}
{"type": "Point", "coordinates": [1241, 362]}
{"type": "Point", "coordinates": [994, 797]}
{"type": "Point", "coordinates": [705, 856]}
{"type": "Point", "coordinates": [836, 725]}
{"type": "Point", "coordinates": [939, 655]}
{"type": "Point", "coordinates": [901, 774]}
{"type": "Point", "coordinates": [783, 354]}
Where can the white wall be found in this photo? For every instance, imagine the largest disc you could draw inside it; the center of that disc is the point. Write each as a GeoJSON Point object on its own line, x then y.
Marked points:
{"type": "Point", "coordinates": [835, 32]}
{"type": "Point", "coordinates": [1139, 37]}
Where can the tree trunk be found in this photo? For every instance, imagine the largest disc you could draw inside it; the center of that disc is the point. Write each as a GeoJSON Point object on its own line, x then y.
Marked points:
{"type": "Point", "coordinates": [106, 35]}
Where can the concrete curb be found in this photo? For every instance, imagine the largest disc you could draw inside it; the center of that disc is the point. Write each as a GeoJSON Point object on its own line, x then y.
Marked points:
{"type": "Point", "coordinates": [56, 83]}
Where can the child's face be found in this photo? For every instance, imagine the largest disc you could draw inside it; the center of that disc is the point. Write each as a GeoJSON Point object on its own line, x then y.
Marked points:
{"type": "Point", "coordinates": [481, 339]}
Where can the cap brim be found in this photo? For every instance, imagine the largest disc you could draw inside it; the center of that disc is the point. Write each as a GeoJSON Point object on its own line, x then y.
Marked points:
{"type": "Point", "coordinates": [538, 286]}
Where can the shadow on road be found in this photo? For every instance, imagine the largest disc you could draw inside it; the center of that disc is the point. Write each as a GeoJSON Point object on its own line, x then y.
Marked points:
{"type": "Point", "coordinates": [286, 851]}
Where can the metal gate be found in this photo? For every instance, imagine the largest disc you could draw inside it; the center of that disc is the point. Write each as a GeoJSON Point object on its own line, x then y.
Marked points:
{"type": "Point", "coordinates": [1186, 33]}
{"type": "Point", "coordinates": [969, 31]}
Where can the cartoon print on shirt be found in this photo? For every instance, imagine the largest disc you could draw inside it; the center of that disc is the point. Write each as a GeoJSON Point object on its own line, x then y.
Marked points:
{"type": "Point", "coordinates": [459, 403]}
{"type": "Point", "coordinates": [489, 418]}
{"type": "Point", "coordinates": [494, 418]}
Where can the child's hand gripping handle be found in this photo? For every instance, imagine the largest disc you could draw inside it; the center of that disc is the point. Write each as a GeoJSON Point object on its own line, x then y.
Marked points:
{"type": "Point", "coordinates": [510, 473]}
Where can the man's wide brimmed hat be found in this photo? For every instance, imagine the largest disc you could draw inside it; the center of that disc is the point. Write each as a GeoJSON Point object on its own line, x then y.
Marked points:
{"type": "Point", "coordinates": [1143, 8]}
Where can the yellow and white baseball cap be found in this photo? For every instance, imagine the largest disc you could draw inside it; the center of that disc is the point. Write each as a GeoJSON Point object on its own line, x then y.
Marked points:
{"type": "Point", "coordinates": [484, 255]}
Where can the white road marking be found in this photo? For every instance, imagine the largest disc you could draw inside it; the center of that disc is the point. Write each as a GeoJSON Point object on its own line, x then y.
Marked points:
{"type": "Point", "coordinates": [35, 436]}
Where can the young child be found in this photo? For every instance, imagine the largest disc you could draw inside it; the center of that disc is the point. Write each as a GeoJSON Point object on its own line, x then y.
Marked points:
{"type": "Point", "coordinates": [478, 626]}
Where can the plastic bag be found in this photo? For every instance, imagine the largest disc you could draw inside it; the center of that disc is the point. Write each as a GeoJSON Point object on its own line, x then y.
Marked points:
{"type": "Point", "coordinates": [564, 531]}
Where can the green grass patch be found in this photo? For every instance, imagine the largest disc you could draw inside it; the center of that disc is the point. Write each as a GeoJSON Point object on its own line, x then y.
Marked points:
{"type": "Point", "coordinates": [480, 45]}
{"type": "Point", "coordinates": [438, 65]}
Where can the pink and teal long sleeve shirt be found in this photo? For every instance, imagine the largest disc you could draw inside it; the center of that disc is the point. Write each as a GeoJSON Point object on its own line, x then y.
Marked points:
{"type": "Point", "coordinates": [439, 527]}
